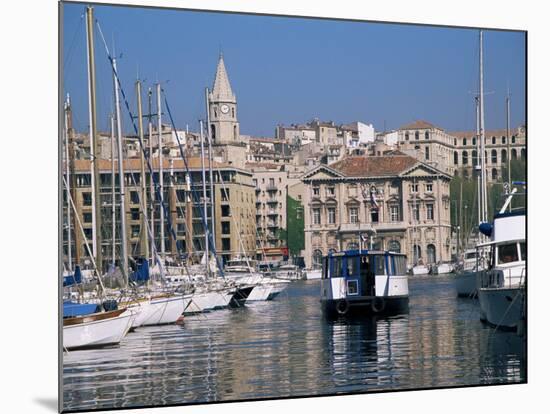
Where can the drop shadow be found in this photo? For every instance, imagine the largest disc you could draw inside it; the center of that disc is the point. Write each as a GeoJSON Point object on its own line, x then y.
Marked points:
{"type": "Point", "coordinates": [49, 403]}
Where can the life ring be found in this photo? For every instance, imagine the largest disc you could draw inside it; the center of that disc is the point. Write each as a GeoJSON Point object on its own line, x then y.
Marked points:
{"type": "Point", "coordinates": [378, 304]}
{"type": "Point", "coordinates": [342, 306]}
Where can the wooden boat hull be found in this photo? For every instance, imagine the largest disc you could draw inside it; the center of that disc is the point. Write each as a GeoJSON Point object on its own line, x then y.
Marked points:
{"type": "Point", "coordinates": [96, 330]}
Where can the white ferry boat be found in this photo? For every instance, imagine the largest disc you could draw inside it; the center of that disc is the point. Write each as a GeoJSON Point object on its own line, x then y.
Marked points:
{"type": "Point", "coordinates": [364, 282]}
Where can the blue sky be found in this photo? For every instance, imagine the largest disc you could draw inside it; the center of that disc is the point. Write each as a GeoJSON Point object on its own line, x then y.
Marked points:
{"type": "Point", "coordinates": [290, 70]}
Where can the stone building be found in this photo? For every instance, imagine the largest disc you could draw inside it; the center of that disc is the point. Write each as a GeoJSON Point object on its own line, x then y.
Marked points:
{"type": "Point", "coordinates": [234, 208]}
{"type": "Point", "coordinates": [389, 202]}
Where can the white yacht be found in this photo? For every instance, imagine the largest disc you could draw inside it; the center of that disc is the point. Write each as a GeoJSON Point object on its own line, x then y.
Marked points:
{"type": "Point", "coordinates": [501, 289]}
{"type": "Point", "coordinates": [364, 282]}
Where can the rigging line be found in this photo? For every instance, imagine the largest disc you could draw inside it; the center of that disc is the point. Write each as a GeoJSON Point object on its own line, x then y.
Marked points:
{"type": "Point", "coordinates": [69, 55]}
{"type": "Point", "coordinates": [142, 146]}
{"type": "Point", "coordinates": [195, 195]}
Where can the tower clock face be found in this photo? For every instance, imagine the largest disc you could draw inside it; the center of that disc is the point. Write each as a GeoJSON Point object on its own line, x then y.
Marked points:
{"type": "Point", "coordinates": [224, 108]}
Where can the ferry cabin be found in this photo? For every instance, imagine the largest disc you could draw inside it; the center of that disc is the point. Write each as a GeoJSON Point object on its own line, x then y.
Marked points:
{"type": "Point", "coordinates": [364, 282]}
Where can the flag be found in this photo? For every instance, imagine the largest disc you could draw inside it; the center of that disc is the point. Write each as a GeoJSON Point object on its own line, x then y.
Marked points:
{"type": "Point", "coordinates": [373, 198]}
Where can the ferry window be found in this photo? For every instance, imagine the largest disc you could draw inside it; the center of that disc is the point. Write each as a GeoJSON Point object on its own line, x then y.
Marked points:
{"type": "Point", "coordinates": [353, 287]}
{"type": "Point", "coordinates": [399, 265]}
{"type": "Point", "coordinates": [523, 250]}
{"type": "Point", "coordinates": [379, 264]}
{"type": "Point", "coordinates": [353, 265]}
{"type": "Point", "coordinates": [507, 253]}
{"type": "Point", "coordinates": [337, 267]}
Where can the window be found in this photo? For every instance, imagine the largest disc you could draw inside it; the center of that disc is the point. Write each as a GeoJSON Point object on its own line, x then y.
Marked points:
{"type": "Point", "coordinates": [353, 264]}
{"type": "Point", "coordinates": [431, 253]}
{"type": "Point", "coordinates": [226, 227]}
{"type": "Point", "coordinates": [394, 246]}
{"type": "Point", "coordinates": [429, 187]}
{"type": "Point", "coordinates": [503, 140]}
{"type": "Point", "coordinates": [513, 139]}
{"type": "Point", "coordinates": [474, 140]}
{"type": "Point", "coordinates": [416, 213]}
{"type": "Point", "coordinates": [494, 159]}
{"type": "Point", "coordinates": [503, 156]}
{"type": "Point", "coordinates": [316, 191]}
{"type": "Point", "coordinates": [352, 287]}
{"type": "Point", "coordinates": [87, 199]}
{"type": "Point", "coordinates": [134, 197]}
{"type": "Point", "coordinates": [374, 216]}
{"type": "Point", "coordinates": [394, 213]}
{"type": "Point", "coordinates": [474, 158]}
{"type": "Point", "coordinates": [426, 135]}
{"type": "Point", "coordinates": [455, 142]}
{"type": "Point", "coordinates": [379, 264]}
{"type": "Point", "coordinates": [226, 244]}
{"type": "Point", "coordinates": [272, 182]}
{"type": "Point", "coordinates": [87, 217]}
{"type": "Point", "coordinates": [226, 211]}
{"type": "Point", "coordinates": [456, 158]}
{"type": "Point", "coordinates": [414, 188]}
{"type": "Point", "coordinates": [493, 140]}
{"type": "Point", "coordinates": [331, 215]}
{"type": "Point", "coordinates": [406, 136]}
{"type": "Point", "coordinates": [514, 154]}
{"type": "Point", "coordinates": [416, 135]}
{"type": "Point", "coordinates": [494, 174]}
{"type": "Point", "coordinates": [427, 153]}
{"type": "Point", "coordinates": [316, 216]}
{"type": "Point", "coordinates": [429, 211]}
{"type": "Point", "coordinates": [399, 265]}
{"type": "Point", "coordinates": [353, 215]}
{"type": "Point", "coordinates": [135, 230]}
{"type": "Point", "coordinates": [317, 258]}
{"type": "Point", "coordinates": [225, 195]}
{"type": "Point", "coordinates": [464, 157]}
{"type": "Point", "coordinates": [464, 141]}
{"type": "Point", "coordinates": [180, 195]}
{"type": "Point", "coordinates": [330, 191]}
{"type": "Point", "coordinates": [134, 214]}
{"type": "Point", "coordinates": [507, 253]}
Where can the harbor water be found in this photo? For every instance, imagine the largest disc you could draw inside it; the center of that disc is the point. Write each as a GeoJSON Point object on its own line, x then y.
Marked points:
{"type": "Point", "coordinates": [285, 347]}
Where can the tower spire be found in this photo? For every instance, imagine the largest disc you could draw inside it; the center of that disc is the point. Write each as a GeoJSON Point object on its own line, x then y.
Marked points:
{"type": "Point", "coordinates": [222, 88]}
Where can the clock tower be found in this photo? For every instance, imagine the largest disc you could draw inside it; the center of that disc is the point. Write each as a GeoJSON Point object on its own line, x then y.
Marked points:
{"type": "Point", "coordinates": [222, 104]}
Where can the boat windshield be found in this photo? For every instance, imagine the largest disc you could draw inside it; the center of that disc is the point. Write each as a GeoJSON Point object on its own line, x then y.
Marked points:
{"type": "Point", "coordinates": [508, 253]}
{"type": "Point", "coordinates": [400, 265]}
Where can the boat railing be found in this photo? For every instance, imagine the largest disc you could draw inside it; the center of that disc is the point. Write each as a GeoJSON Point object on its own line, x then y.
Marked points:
{"type": "Point", "coordinates": [503, 277]}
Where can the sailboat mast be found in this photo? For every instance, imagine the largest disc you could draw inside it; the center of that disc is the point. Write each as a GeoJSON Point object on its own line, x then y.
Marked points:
{"type": "Point", "coordinates": [67, 186]}
{"type": "Point", "coordinates": [508, 145]}
{"type": "Point", "coordinates": [151, 184]}
{"type": "Point", "coordinates": [482, 131]}
{"type": "Point", "coordinates": [205, 203]}
{"type": "Point", "coordinates": [123, 244]}
{"type": "Point", "coordinates": [144, 236]}
{"type": "Point", "coordinates": [161, 174]}
{"type": "Point", "coordinates": [94, 144]}
{"type": "Point", "coordinates": [113, 194]}
{"type": "Point", "coordinates": [209, 134]}
{"type": "Point", "coordinates": [478, 168]}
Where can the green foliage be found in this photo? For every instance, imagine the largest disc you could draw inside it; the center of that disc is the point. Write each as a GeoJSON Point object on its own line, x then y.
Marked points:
{"type": "Point", "coordinates": [295, 237]}
{"type": "Point", "coordinates": [495, 199]}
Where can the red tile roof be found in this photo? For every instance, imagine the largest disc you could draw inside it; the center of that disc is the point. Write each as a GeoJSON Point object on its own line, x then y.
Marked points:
{"type": "Point", "coordinates": [420, 124]}
{"type": "Point", "coordinates": [380, 166]}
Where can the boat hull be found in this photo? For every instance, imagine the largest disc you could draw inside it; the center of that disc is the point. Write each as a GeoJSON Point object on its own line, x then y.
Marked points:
{"type": "Point", "coordinates": [313, 274]}
{"type": "Point", "coordinates": [365, 306]}
{"type": "Point", "coordinates": [466, 284]}
{"type": "Point", "coordinates": [420, 270]}
{"type": "Point", "coordinates": [93, 332]}
{"type": "Point", "coordinates": [502, 307]}
{"type": "Point", "coordinates": [164, 310]}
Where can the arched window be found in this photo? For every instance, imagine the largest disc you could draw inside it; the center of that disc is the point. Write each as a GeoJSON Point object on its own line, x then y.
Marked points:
{"type": "Point", "coordinates": [464, 141]}
{"type": "Point", "coordinates": [431, 253]}
{"type": "Point", "coordinates": [464, 157]}
{"type": "Point", "coordinates": [494, 174]}
{"type": "Point", "coordinates": [416, 135]}
{"type": "Point", "coordinates": [235, 137]}
{"type": "Point", "coordinates": [317, 258]}
{"type": "Point", "coordinates": [523, 154]}
{"type": "Point", "coordinates": [474, 140]}
{"type": "Point", "coordinates": [494, 159]}
{"type": "Point", "coordinates": [394, 246]}
{"type": "Point", "coordinates": [474, 158]}
{"type": "Point", "coordinates": [494, 140]}
{"type": "Point", "coordinates": [455, 142]}
{"type": "Point", "coordinates": [426, 135]}
{"type": "Point", "coordinates": [514, 154]}
{"type": "Point", "coordinates": [456, 158]}
{"type": "Point", "coordinates": [417, 253]}
{"type": "Point", "coordinates": [353, 246]}
{"type": "Point", "coordinates": [503, 140]}
{"type": "Point", "coordinates": [485, 157]}
{"type": "Point", "coordinates": [503, 156]}
{"type": "Point", "coordinates": [213, 131]}
{"type": "Point", "coordinates": [406, 136]}
{"type": "Point", "coordinates": [513, 139]}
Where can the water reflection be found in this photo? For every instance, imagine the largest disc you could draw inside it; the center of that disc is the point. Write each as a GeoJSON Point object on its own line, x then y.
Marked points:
{"type": "Point", "coordinates": [287, 348]}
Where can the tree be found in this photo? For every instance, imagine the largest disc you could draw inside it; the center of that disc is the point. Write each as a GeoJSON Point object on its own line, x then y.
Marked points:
{"type": "Point", "coordinates": [295, 237]}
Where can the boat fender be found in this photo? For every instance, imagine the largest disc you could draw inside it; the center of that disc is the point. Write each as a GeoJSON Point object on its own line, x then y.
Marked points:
{"type": "Point", "coordinates": [342, 306]}
{"type": "Point", "coordinates": [378, 304]}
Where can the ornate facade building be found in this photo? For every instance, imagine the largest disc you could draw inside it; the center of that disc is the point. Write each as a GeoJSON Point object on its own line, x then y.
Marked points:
{"type": "Point", "coordinates": [392, 202]}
